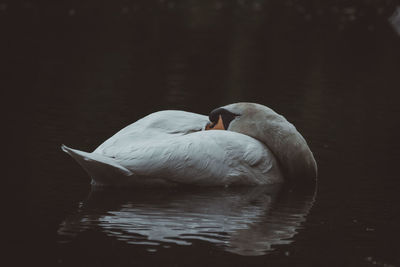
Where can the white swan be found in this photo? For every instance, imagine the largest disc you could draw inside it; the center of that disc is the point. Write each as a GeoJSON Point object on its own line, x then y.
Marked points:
{"type": "Point", "coordinates": [243, 143]}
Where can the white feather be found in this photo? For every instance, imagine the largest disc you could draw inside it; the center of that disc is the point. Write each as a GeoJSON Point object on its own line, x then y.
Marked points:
{"type": "Point", "coordinates": [171, 147]}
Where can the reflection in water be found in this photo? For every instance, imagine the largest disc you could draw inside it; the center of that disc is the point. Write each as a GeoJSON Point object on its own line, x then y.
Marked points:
{"type": "Point", "coordinates": [244, 221]}
{"type": "Point", "coordinates": [395, 20]}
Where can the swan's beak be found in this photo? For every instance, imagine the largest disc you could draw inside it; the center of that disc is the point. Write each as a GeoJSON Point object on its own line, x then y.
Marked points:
{"type": "Point", "coordinates": [219, 125]}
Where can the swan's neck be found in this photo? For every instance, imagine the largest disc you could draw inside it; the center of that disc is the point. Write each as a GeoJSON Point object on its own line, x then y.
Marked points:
{"type": "Point", "coordinates": [292, 151]}
{"type": "Point", "coordinates": [287, 144]}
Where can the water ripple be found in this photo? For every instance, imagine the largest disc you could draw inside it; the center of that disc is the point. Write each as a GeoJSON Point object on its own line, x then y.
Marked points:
{"type": "Point", "coordinates": [247, 221]}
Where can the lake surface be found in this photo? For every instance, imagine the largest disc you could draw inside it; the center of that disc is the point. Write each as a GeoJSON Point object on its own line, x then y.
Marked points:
{"type": "Point", "coordinates": [83, 70]}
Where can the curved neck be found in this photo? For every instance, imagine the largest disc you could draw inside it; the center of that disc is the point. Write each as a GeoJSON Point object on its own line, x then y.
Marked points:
{"type": "Point", "coordinates": [291, 149]}
{"type": "Point", "coordinates": [283, 139]}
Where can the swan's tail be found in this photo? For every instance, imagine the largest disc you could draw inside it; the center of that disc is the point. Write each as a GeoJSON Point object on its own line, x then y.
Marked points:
{"type": "Point", "coordinates": [103, 170]}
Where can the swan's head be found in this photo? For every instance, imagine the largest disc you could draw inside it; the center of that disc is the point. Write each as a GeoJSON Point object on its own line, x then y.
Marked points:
{"type": "Point", "coordinates": [267, 126]}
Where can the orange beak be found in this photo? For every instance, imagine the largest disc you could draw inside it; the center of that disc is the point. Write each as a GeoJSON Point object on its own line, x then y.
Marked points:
{"type": "Point", "coordinates": [216, 126]}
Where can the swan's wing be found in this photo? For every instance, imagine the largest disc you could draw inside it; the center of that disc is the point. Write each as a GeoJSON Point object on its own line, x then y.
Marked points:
{"type": "Point", "coordinates": [205, 157]}
{"type": "Point", "coordinates": [171, 146]}
{"type": "Point", "coordinates": [102, 169]}
{"type": "Point", "coordinates": [157, 125]}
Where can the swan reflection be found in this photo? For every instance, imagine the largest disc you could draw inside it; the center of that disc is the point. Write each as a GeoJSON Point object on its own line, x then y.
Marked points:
{"type": "Point", "coordinates": [244, 221]}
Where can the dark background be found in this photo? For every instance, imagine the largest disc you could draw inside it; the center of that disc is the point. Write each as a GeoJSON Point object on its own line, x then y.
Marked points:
{"type": "Point", "coordinates": [75, 72]}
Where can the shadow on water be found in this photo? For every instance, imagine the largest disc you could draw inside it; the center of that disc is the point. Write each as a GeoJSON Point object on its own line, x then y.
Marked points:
{"type": "Point", "coordinates": [247, 221]}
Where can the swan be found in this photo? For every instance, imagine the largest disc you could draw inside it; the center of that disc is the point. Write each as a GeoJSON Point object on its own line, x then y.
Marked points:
{"type": "Point", "coordinates": [237, 144]}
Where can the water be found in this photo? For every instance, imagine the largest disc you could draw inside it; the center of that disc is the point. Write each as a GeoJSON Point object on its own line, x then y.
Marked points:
{"type": "Point", "coordinates": [82, 71]}
{"type": "Point", "coordinates": [243, 221]}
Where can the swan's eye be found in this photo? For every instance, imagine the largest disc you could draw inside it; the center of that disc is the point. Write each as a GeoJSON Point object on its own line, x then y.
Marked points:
{"type": "Point", "coordinates": [222, 117]}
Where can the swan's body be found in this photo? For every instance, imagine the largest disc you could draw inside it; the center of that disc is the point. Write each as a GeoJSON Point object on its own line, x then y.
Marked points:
{"type": "Point", "coordinates": [172, 147]}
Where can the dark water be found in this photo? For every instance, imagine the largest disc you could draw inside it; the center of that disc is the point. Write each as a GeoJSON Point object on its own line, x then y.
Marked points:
{"type": "Point", "coordinates": [81, 70]}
